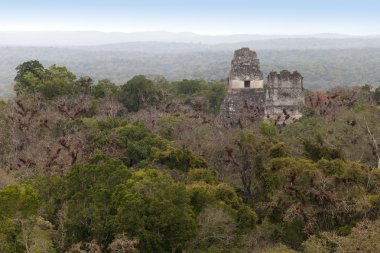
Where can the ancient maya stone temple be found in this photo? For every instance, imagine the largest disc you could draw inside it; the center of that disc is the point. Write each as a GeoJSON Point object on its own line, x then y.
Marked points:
{"type": "Point", "coordinates": [245, 70]}
{"type": "Point", "coordinates": [249, 100]}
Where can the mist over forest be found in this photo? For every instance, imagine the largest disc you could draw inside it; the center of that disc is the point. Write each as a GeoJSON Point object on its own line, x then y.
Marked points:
{"type": "Point", "coordinates": [324, 60]}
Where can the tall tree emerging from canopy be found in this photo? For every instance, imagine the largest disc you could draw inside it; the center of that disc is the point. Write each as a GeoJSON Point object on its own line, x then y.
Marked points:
{"type": "Point", "coordinates": [28, 75]}
{"type": "Point", "coordinates": [33, 77]}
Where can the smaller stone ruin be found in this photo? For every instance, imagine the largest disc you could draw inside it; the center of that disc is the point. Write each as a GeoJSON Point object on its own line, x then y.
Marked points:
{"type": "Point", "coordinates": [284, 96]}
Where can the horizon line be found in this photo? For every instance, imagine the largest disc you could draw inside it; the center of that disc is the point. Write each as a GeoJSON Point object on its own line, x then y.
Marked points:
{"type": "Point", "coordinates": [201, 34]}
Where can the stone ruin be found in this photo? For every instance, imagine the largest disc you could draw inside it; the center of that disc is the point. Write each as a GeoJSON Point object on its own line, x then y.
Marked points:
{"type": "Point", "coordinates": [249, 100]}
{"type": "Point", "coordinates": [284, 96]}
{"type": "Point", "coordinates": [245, 70]}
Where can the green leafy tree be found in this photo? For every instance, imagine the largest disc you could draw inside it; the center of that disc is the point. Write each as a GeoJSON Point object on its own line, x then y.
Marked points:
{"type": "Point", "coordinates": [181, 159]}
{"type": "Point", "coordinates": [18, 200]}
{"type": "Point", "coordinates": [38, 236]}
{"type": "Point", "coordinates": [250, 155]}
{"type": "Point", "coordinates": [105, 88]}
{"type": "Point", "coordinates": [268, 129]}
{"type": "Point", "coordinates": [19, 205]}
{"type": "Point", "coordinates": [138, 93]}
{"type": "Point", "coordinates": [310, 197]}
{"type": "Point", "coordinates": [317, 150]}
{"type": "Point", "coordinates": [188, 87]}
{"type": "Point", "coordinates": [199, 94]}
{"type": "Point", "coordinates": [222, 195]}
{"type": "Point", "coordinates": [33, 77]}
{"type": "Point", "coordinates": [162, 217]}
{"type": "Point", "coordinates": [50, 190]}
{"type": "Point", "coordinates": [89, 189]}
{"type": "Point", "coordinates": [377, 95]}
{"type": "Point", "coordinates": [202, 175]}
{"type": "Point", "coordinates": [29, 75]}
{"type": "Point", "coordinates": [58, 81]}
{"type": "Point", "coordinates": [215, 95]}
{"type": "Point", "coordinates": [278, 150]}
{"type": "Point", "coordinates": [139, 144]}
{"type": "Point", "coordinates": [9, 231]}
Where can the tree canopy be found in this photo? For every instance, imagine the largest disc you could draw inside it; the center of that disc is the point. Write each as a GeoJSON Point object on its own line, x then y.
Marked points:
{"type": "Point", "coordinates": [33, 77]}
{"type": "Point", "coordinates": [91, 166]}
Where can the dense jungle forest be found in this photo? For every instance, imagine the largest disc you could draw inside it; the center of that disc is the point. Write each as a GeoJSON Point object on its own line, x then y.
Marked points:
{"type": "Point", "coordinates": [91, 166]}
{"type": "Point", "coordinates": [325, 63]}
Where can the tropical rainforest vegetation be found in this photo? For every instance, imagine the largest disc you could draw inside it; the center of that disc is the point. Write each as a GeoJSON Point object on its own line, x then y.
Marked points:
{"type": "Point", "coordinates": [142, 167]}
{"type": "Point", "coordinates": [322, 67]}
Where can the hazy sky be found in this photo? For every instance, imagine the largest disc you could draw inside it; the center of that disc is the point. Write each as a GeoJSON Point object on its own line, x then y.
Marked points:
{"type": "Point", "coordinates": [199, 16]}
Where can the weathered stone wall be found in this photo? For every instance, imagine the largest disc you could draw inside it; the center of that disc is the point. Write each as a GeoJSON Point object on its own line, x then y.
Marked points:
{"type": "Point", "coordinates": [245, 66]}
{"type": "Point", "coordinates": [242, 107]}
{"type": "Point", "coordinates": [284, 96]}
{"type": "Point", "coordinates": [285, 79]}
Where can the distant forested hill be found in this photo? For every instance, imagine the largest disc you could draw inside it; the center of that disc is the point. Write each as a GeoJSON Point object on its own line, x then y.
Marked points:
{"type": "Point", "coordinates": [321, 67]}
